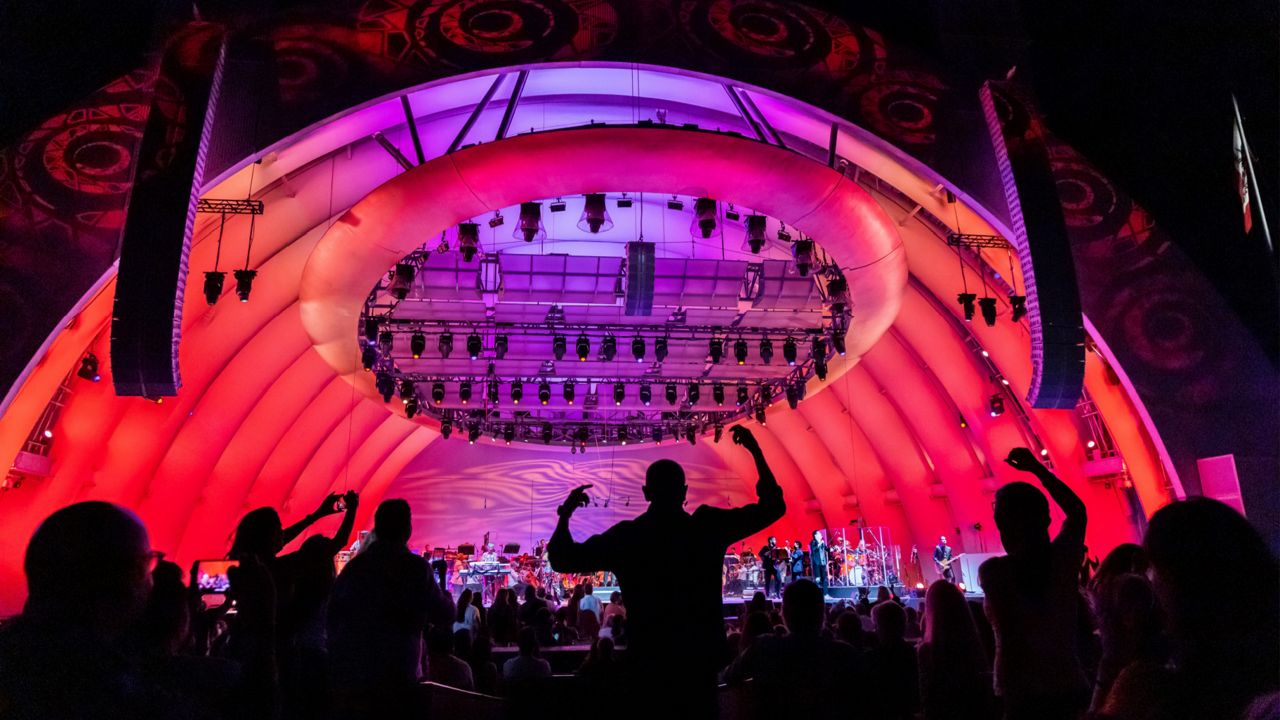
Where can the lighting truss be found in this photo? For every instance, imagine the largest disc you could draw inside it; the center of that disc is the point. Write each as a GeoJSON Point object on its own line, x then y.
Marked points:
{"type": "Point", "coordinates": [977, 242]}
{"type": "Point", "coordinates": [227, 206]}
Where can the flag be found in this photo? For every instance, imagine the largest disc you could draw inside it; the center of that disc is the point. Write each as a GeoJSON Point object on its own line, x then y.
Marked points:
{"type": "Point", "coordinates": [1242, 176]}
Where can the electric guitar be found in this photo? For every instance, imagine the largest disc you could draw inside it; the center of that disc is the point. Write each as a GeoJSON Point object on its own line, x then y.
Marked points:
{"type": "Point", "coordinates": [944, 565]}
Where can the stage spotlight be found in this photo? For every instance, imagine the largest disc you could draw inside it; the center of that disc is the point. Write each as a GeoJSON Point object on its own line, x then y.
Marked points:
{"type": "Point", "coordinates": [474, 346]}
{"type": "Point", "coordinates": [411, 407]}
{"type": "Point", "coordinates": [544, 392]}
{"type": "Point", "coordinates": [508, 433]}
{"type": "Point", "coordinates": [619, 393]}
{"type": "Point", "coordinates": [988, 307]}
{"type": "Point", "coordinates": [637, 348]}
{"type": "Point", "coordinates": [1091, 444]}
{"type": "Point", "coordinates": [802, 251]}
{"type": "Point", "coordinates": [595, 217]}
{"type": "Point", "coordinates": [837, 342]}
{"type": "Point", "coordinates": [406, 390]}
{"type": "Point", "coordinates": [558, 206]}
{"type": "Point", "coordinates": [493, 391]}
{"type": "Point", "coordinates": [704, 218]}
{"type": "Point", "coordinates": [464, 391]}
{"type": "Point", "coordinates": [517, 391]}
{"type": "Point", "coordinates": [1018, 307]}
{"type": "Point", "coordinates": [386, 386]}
{"type": "Point", "coordinates": [569, 391]}
{"type": "Point", "coordinates": [473, 433]}
{"type": "Point", "coordinates": [743, 394]}
{"type": "Point", "coordinates": [996, 404]}
{"type": "Point", "coordinates": [660, 348]}
{"type": "Point", "coordinates": [755, 233]}
{"type": "Point", "coordinates": [417, 345]}
{"type": "Point", "coordinates": [719, 432]}
{"type": "Point", "coordinates": [89, 368]}
{"type": "Point", "coordinates": [371, 327]}
{"type": "Point", "coordinates": [793, 395]}
{"type": "Point", "coordinates": [646, 394]}
{"type": "Point", "coordinates": [547, 433]}
{"type": "Point", "coordinates": [446, 428]}
{"type": "Point", "coordinates": [717, 393]}
{"type": "Point", "coordinates": [1044, 452]}
{"type": "Point", "coordinates": [716, 350]}
{"type": "Point", "coordinates": [691, 434]}
{"type": "Point", "coordinates": [671, 394]}
{"type": "Point", "coordinates": [386, 341]}
{"type": "Point", "coordinates": [213, 280]}
{"type": "Point", "coordinates": [693, 393]}
{"type": "Point", "coordinates": [622, 436]}
{"type": "Point", "coordinates": [368, 358]}
{"type": "Point", "coordinates": [624, 201]}
{"type": "Point", "coordinates": [766, 351]}
{"type": "Point", "coordinates": [740, 351]}
{"type": "Point", "coordinates": [760, 414]}
{"type": "Point", "coordinates": [789, 350]}
{"type": "Point", "coordinates": [244, 283]}
{"type": "Point", "coordinates": [583, 436]}
{"type": "Point", "coordinates": [818, 348]}
{"type": "Point", "coordinates": [402, 280]}
{"type": "Point", "coordinates": [609, 348]}
{"type": "Point", "coordinates": [500, 346]}
{"type": "Point", "coordinates": [656, 433]}
{"type": "Point", "coordinates": [675, 203]}
{"type": "Point", "coordinates": [445, 344]}
{"type": "Point", "coordinates": [583, 346]}
{"type": "Point", "coordinates": [967, 301]}
{"type": "Point", "coordinates": [529, 227]}
{"type": "Point", "coordinates": [820, 368]}
{"type": "Point", "coordinates": [559, 345]}
{"type": "Point", "coordinates": [468, 240]}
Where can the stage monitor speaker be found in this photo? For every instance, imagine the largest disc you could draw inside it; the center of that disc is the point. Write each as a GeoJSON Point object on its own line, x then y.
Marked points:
{"type": "Point", "coordinates": [640, 262]}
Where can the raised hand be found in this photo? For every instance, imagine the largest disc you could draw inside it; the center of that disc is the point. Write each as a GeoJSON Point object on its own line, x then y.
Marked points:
{"type": "Point", "coordinates": [577, 499]}
{"type": "Point", "coordinates": [1023, 459]}
{"type": "Point", "coordinates": [351, 499]}
{"type": "Point", "coordinates": [744, 437]}
{"type": "Point", "coordinates": [328, 506]}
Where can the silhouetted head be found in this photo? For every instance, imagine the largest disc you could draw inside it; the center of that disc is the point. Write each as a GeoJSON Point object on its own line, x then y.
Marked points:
{"type": "Point", "coordinates": [891, 622]}
{"type": "Point", "coordinates": [440, 640]}
{"type": "Point", "coordinates": [1124, 558]}
{"type": "Point", "coordinates": [588, 589]}
{"type": "Point", "coordinates": [802, 607]}
{"type": "Point", "coordinates": [89, 563]}
{"type": "Point", "coordinates": [393, 522]}
{"type": "Point", "coordinates": [773, 541]}
{"type": "Point", "coordinates": [944, 607]}
{"type": "Point", "coordinates": [883, 594]}
{"type": "Point", "coordinates": [527, 641]}
{"type": "Point", "coordinates": [1022, 517]}
{"type": "Point", "coordinates": [664, 484]}
{"type": "Point", "coordinates": [530, 593]}
{"type": "Point", "coordinates": [259, 534]}
{"type": "Point", "coordinates": [167, 619]}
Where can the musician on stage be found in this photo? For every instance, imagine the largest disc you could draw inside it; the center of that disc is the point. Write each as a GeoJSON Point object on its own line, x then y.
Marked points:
{"type": "Point", "coordinates": [769, 560]}
{"type": "Point", "coordinates": [942, 560]}
{"type": "Point", "coordinates": [818, 560]}
{"type": "Point", "coordinates": [490, 555]}
{"type": "Point", "coordinates": [797, 561]}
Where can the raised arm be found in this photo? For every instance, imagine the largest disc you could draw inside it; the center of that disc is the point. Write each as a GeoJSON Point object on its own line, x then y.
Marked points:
{"type": "Point", "coordinates": [352, 500]}
{"type": "Point", "coordinates": [566, 554]}
{"type": "Point", "coordinates": [328, 507]}
{"type": "Point", "coordinates": [1077, 517]}
{"type": "Point", "coordinates": [769, 506]}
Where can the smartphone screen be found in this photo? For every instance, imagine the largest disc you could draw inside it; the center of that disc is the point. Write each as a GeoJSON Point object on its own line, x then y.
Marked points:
{"type": "Point", "coordinates": [211, 576]}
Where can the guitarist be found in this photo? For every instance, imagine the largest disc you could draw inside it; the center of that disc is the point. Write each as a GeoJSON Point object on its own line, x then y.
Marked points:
{"type": "Point", "coordinates": [942, 560]}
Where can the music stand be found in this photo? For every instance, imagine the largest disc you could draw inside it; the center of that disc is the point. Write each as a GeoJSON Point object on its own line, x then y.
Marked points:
{"type": "Point", "coordinates": [511, 549]}
{"type": "Point", "coordinates": [467, 550]}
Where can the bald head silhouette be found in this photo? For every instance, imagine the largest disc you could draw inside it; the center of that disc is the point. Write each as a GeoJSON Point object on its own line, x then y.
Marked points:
{"type": "Point", "coordinates": [664, 484]}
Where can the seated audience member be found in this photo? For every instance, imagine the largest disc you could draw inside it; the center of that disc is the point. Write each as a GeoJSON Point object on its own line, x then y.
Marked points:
{"type": "Point", "coordinates": [588, 624]}
{"type": "Point", "coordinates": [462, 645]}
{"type": "Point", "coordinates": [561, 630]}
{"type": "Point", "coordinates": [527, 665]}
{"type": "Point", "coordinates": [913, 624]}
{"type": "Point", "coordinates": [543, 627]}
{"type": "Point", "coordinates": [467, 616]}
{"type": "Point", "coordinates": [801, 673]}
{"type": "Point", "coordinates": [378, 611]}
{"type": "Point", "coordinates": [502, 617]}
{"type": "Point", "coordinates": [532, 604]}
{"type": "Point", "coordinates": [758, 603]}
{"type": "Point", "coordinates": [1033, 597]}
{"type": "Point", "coordinates": [891, 666]}
{"type": "Point", "coordinates": [443, 666]}
{"type": "Point", "coordinates": [955, 675]}
{"type": "Point", "coordinates": [849, 629]}
{"type": "Point", "coordinates": [599, 668]}
{"type": "Point", "coordinates": [1124, 559]}
{"type": "Point", "coordinates": [483, 669]}
{"type": "Point", "coordinates": [615, 607]}
{"type": "Point", "coordinates": [756, 625]}
{"type": "Point", "coordinates": [616, 630]}
{"type": "Point", "coordinates": [1223, 645]}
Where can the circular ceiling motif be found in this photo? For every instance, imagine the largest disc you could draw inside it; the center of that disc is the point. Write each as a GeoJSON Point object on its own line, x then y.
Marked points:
{"type": "Point", "coordinates": [901, 105]}
{"type": "Point", "coordinates": [472, 33]}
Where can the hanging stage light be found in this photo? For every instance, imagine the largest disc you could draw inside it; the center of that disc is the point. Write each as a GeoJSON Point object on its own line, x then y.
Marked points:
{"type": "Point", "coordinates": [473, 433]}
{"type": "Point", "coordinates": [755, 233]}
{"type": "Point", "coordinates": [500, 346]}
{"type": "Point", "coordinates": [493, 392]}
{"type": "Point", "coordinates": [622, 435]}
{"type": "Point", "coordinates": [704, 218]}
{"type": "Point", "coordinates": [988, 307]}
{"type": "Point", "coordinates": [660, 348]}
{"type": "Point", "coordinates": [402, 280]}
{"type": "Point", "coordinates": [719, 432]}
{"type": "Point", "coordinates": [386, 341]}
{"type": "Point", "coordinates": [595, 217]}
{"type": "Point", "coordinates": [802, 251]}
{"type": "Point", "coordinates": [529, 227]}
{"type": "Point", "coordinates": [693, 393]}
{"type": "Point", "coordinates": [386, 386]}
{"type": "Point", "coordinates": [508, 433]}
{"type": "Point", "coordinates": [583, 346]}
{"type": "Point", "coordinates": [468, 240]}
{"type": "Point", "coordinates": [213, 280]}
{"type": "Point", "coordinates": [474, 346]}
{"type": "Point", "coordinates": [819, 353]}
{"type": "Point", "coordinates": [371, 327]}
{"type": "Point", "coordinates": [547, 433]}
{"type": "Point", "coordinates": [368, 358]}
{"type": "Point", "coordinates": [766, 351]}
{"type": "Point", "coordinates": [244, 283]}
{"type": "Point", "coordinates": [89, 368]}
{"type": "Point", "coordinates": [691, 434]}
{"type": "Point", "coordinates": [656, 433]}
{"type": "Point", "coordinates": [464, 391]}
{"type": "Point", "coordinates": [411, 407]}
{"type": "Point", "coordinates": [637, 348]}
{"type": "Point", "coordinates": [837, 342]}
{"type": "Point", "coordinates": [740, 351]}
{"type": "Point", "coordinates": [1018, 307]}
{"type": "Point", "coordinates": [671, 394]}
{"type": "Point", "coordinates": [609, 348]}
{"type": "Point", "coordinates": [996, 405]}
{"type": "Point", "coordinates": [406, 390]}
{"type": "Point", "coordinates": [820, 368]}
{"type": "Point", "coordinates": [789, 350]}
{"type": "Point", "coordinates": [417, 345]}
{"type": "Point", "coordinates": [717, 393]}
{"type": "Point", "coordinates": [793, 395]}
{"type": "Point", "coordinates": [743, 394]}
{"type": "Point", "coordinates": [760, 414]}
{"type": "Point", "coordinates": [559, 345]}
{"type": "Point", "coordinates": [446, 428]}
{"type": "Point", "coordinates": [646, 394]}
{"type": "Point", "coordinates": [544, 392]}
{"type": "Point", "coordinates": [716, 350]}
{"type": "Point", "coordinates": [445, 344]}
{"type": "Point", "coordinates": [568, 392]}
{"type": "Point", "coordinates": [583, 436]}
{"type": "Point", "coordinates": [967, 300]}
{"type": "Point", "coordinates": [619, 393]}
{"type": "Point", "coordinates": [517, 391]}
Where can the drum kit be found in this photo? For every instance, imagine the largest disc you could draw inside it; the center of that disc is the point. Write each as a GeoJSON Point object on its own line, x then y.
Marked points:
{"type": "Point", "coordinates": [849, 565]}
